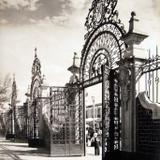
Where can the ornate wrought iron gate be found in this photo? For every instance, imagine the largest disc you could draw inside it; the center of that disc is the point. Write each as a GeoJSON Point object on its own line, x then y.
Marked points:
{"type": "Point", "coordinates": [67, 122]}
{"type": "Point", "coordinates": [148, 73]}
{"type": "Point", "coordinates": [102, 50]}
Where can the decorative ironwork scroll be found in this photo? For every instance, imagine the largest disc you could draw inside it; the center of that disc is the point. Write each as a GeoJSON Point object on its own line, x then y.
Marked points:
{"type": "Point", "coordinates": [150, 68]}
{"type": "Point", "coordinates": [103, 47]}
{"type": "Point", "coordinates": [150, 65]}
{"type": "Point", "coordinates": [100, 12]}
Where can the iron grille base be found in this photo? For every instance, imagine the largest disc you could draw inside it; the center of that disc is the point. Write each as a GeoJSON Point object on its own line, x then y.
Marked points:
{"type": "Point", "coordinates": [36, 142]}
{"type": "Point", "coordinates": [10, 136]}
{"type": "Point", "coordinates": [121, 155]}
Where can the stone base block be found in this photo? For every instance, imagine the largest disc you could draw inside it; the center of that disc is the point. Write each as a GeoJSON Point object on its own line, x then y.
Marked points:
{"type": "Point", "coordinates": [120, 155]}
{"type": "Point", "coordinates": [36, 142]}
{"type": "Point", "coordinates": [10, 136]}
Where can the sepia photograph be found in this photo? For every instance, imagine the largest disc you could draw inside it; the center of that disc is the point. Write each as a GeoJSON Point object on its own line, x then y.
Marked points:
{"type": "Point", "coordinates": [79, 80]}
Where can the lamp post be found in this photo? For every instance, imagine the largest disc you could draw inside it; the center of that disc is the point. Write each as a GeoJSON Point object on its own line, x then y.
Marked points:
{"type": "Point", "coordinates": [10, 128]}
{"type": "Point", "coordinates": [27, 116]}
{"type": "Point", "coordinates": [93, 103]}
{"type": "Point", "coordinates": [11, 118]}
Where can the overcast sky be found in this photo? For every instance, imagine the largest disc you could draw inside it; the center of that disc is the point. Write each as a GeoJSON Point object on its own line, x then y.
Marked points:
{"type": "Point", "coordinates": [56, 28]}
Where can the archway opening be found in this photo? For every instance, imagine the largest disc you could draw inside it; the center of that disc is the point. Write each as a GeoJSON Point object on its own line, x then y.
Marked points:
{"type": "Point", "coordinates": [93, 120]}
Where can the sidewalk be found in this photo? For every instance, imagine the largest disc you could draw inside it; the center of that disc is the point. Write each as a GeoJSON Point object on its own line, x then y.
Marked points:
{"type": "Point", "coordinates": [20, 151]}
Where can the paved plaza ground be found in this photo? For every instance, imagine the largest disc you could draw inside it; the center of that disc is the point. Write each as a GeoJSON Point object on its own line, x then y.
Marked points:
{"type": "Point", "coordinates": [20, 151]}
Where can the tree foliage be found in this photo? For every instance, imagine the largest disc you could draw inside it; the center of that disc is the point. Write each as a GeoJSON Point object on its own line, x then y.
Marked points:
{"type": "Point", "coordinates": [5, 88]}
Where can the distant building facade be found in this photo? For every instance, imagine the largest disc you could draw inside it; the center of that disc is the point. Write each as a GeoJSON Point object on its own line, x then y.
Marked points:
{"type": "Point", "coordinates": [94, 115]}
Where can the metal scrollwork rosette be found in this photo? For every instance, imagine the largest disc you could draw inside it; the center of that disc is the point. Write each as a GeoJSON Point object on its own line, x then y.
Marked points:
{"type": "Point", "coordinates": [98, 14]}
{"type": "Point", "coordinates": [102, 11]}
{"type": "Point", "coordinates": [95, 15]}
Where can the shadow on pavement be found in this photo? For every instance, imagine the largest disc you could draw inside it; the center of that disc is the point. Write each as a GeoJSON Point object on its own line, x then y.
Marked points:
{"type": "Point", "coordinates": [33, 152]}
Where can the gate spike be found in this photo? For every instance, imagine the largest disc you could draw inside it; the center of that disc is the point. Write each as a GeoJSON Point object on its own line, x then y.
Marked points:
{"type": "Point", "coordinates": [35, 52]}
{"type": "Point", "coordinates": [156, 51]}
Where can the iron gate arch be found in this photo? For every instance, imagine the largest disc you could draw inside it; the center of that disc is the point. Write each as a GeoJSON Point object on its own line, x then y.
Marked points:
{"type": "Point", "coordinates": [102, 34]}
{"type": "Point", "coordinates": [101, 53]}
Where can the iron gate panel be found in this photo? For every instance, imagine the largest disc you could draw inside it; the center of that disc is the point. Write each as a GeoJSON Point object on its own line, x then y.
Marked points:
{"type": "Point", "coordinates": [66, 122]}
{"type": "Point", "coordinates": [34, 120]}
{"type": "Point", "coordinates": [111, 118]}
{"type": "Point", "coordinates": [147, 126]}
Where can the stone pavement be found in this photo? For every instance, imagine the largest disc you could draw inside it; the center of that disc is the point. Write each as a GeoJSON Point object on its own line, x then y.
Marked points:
{"type": "Point", "coordinates": [20, 151]}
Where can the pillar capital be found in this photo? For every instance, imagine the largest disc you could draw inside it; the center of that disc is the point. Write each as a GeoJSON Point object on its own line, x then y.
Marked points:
{"type": "Point", "coordinates": [132, 38]}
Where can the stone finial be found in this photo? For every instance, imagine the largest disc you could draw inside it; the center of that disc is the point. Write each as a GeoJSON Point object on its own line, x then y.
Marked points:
{"type": "Point", "coordinates": [131, 21]}
{"type": "Point", "coordinates": [74, 69]}
{"type": "Point", "coordinates": [74, 58]}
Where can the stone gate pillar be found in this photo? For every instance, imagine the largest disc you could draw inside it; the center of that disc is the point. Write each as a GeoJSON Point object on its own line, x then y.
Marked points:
{"type": "Point", "coordinates": [74, 101]}
{"type": "Point", "coordinates": [128, 87]}
{"type": "Point", "coordinates": [35, 122]}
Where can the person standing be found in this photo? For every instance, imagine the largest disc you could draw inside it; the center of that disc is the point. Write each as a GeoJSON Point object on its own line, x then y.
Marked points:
{"type": "Point", "coordinates": [96, 144]}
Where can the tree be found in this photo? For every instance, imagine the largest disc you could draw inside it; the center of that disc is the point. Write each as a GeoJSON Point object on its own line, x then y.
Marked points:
{"type": "Point", "coordinates": [5, 94]}
{"type": "Point", "coordinates": [5, 88]}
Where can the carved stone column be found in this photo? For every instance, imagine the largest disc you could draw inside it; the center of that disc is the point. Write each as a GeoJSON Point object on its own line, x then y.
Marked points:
{"type": "Point", "coordinates": [125, 92]}
{"type": "Point", "coordinates": [73, 99]}
{"type": "Point", "coordinates": [128, 87]}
